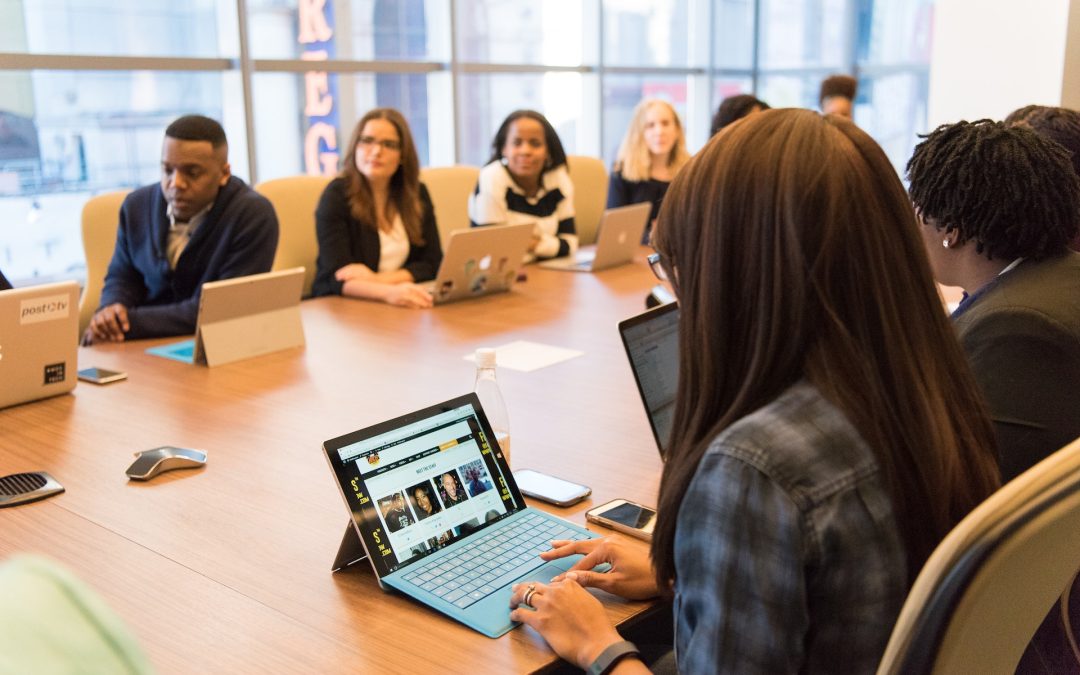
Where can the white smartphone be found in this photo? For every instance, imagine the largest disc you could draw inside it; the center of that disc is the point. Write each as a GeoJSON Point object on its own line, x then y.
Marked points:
{"type": "Point", "coordinates": [549, 488]}
{"type": "Point", "coordinates": [625, 516]}
{"type": "Point", "coordinates": [101, 375]}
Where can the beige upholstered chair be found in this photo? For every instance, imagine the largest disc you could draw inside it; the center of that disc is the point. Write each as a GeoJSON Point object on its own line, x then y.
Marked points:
{"type": "Point", "coordinates": [991, 582]}
{"type": "Point", "coordinates": [294, 199]}
{"type": "Point", "coordinates": [590, 178]}
{"type": "Point", "coordinates": [100, 219]}
{"type": "Point", "coordinates": [450, 187]}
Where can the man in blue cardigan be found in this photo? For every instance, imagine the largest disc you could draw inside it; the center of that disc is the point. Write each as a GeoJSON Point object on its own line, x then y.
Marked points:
{"type": "Point", "coordinates": [199, 224]}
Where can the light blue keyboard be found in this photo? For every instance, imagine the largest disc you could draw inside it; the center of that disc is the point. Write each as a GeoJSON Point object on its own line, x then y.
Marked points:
{"type": "Point", "coordinates": [491, 561]}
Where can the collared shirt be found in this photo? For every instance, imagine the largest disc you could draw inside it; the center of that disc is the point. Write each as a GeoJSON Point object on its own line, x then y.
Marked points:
{"type": "Point", "coordinates": [787, 554]}
{"type": "Point", "coordinates": [967, 300]}
{"type": "Point", "coordinates": [180, 232]}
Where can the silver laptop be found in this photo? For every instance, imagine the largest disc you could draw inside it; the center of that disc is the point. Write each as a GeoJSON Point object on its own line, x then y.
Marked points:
{"type": "Point", "coordinates": [242, 318]}
{"type": "Point", "coordinates": [618, 237]}
{"type": "Point", "coordinates": [651, 340]}
{"type": "Point", "coordinates": [480, 261]}
{"type": "Point", "coordinates": [39, 339]}
{"type": "Point", "coordinates": [437, 513]}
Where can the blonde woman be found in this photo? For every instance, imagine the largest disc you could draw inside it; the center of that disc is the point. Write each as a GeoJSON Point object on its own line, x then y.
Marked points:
{"type": "Point", "coordinates": [651, 153]}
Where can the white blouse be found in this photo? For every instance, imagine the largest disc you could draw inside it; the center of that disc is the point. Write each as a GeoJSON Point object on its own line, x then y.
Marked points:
{"type": "Point", "coordinates": [393, 247]}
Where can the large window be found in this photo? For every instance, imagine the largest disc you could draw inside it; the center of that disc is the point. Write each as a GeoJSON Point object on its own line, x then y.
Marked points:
{"type": "Point", "coordinates": [87, 86]}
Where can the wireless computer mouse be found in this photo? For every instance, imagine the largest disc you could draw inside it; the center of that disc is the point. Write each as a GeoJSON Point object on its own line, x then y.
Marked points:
{"type": "Point", "coordinates": [150, 463]}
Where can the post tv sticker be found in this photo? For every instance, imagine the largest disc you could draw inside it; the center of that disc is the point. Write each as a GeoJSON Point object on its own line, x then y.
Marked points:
{"type": "Point", "coordinates": [48, 308]}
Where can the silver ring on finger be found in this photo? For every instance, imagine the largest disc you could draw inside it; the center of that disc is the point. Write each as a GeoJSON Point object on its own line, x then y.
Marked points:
{"type": "Point", "coordinates": [529, 593]}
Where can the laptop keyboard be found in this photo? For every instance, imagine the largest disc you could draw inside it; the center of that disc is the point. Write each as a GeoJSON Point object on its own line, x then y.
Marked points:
{"type": "Point", "coordinates": [492, 561]}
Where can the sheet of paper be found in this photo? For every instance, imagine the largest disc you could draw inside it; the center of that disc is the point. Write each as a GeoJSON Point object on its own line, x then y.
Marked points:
{"type": "Point", "coordinates": [178, 351]}
{"type": "Point", "coordinates": [529, 356]}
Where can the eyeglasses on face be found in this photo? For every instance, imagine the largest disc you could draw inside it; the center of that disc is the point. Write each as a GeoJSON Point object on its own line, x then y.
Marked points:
{"type": "Point", "coordinates": [655, 262]}
{"type": "Point", "coordinates": [368, 142]}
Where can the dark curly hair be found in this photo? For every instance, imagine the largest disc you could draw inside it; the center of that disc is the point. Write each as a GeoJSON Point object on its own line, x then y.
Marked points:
{"type": "Point", "coordinates": [1007, 188]}
{"type": "Point", "coordinates": [734, 108]}
{"type": "Point", "coordinates": [1060, 125]}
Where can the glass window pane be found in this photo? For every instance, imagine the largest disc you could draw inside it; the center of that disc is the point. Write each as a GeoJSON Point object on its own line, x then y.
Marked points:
{"type": "Point", "coordinates": [646, 33]}
{"type": "Point", "coordinates": [802, 33]}
{"type": "Point", "coordinates": [485, 100]}
{"type": "Point", "coordinates": [892, 109]}
{"type": "Point", "coordinates": [733, 39]}
{"type": "Point", "coordinates": [73, 134]}
{"type": "Point", "coordinates": [895, 32]}
{"type": "Point", "coordinates": [623, 92]}
{"type": "Point", "coordinates": [360, 30]}
{"type": "Point", "coordinates": [550, 33]}
{"type": "Point", "coordinates": [194, 28]}
{"type": "Point", "coordinates": [299, 132]}
{"type": "Point", "coordinates": [790, 91]}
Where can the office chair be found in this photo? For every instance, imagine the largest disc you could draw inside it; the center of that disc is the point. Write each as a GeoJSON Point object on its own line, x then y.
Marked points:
{"type": "Point", "coordinates": [590, 179]}
{"type": "Point", "coordinates": [450, 187]}
{"type": "Point", "coordinates": [294, 199]}
{"type": "Point", "coordinates": [100, 220]}
{"type": "Point", "coordinates": [988, 586]}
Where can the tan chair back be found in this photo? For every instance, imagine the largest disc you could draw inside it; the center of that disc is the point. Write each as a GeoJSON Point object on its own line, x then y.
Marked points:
{"type": "Point", "coordinates": [294, 199]}
{"type": "Point", "coordinates": [590, 178]}
{"type": "Point", "coordinates": [100, 220]}
{"type": "Point", "coordinates": [450, 187]}
{"type": "Point", "coordinates": [990, 583]}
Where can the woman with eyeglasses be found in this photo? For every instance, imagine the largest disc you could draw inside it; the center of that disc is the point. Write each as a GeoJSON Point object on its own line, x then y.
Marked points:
{"type": "Point", "coordinates": [526, 181]}
{"type": "Point", "coordinates": [827, 430]}
{"type": "Point", "coordinates": [375, 222]}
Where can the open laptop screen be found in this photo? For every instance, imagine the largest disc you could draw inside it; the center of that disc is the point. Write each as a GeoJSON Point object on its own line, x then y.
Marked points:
{"type": "Point", "coordinates": [651, 340]}
{"type": "Point", "coordinates": [420, 482]}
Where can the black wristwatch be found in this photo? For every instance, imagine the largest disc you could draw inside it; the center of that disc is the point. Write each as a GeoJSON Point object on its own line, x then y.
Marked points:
{"type": "Point", "coordinates": [611, 656]}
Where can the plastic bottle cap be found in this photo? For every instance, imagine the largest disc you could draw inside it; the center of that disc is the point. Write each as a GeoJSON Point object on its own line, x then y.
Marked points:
{"type": "Point", "coordinates": [485, 357]}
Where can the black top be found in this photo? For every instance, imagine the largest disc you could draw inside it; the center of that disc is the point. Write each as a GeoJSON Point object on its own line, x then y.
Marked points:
{"type": "Point", "coordinates": [623, 192]}
{"type": "Point", "coordinates": [344, 240]}
{"type": "Point", "coordinates": [4, 283]}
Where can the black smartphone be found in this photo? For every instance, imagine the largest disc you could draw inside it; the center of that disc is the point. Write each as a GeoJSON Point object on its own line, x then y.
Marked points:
{"type": "Point", "coordinates": [549, 488]}
{"type": "Point", "coordinates": [625, 516]}
{"type": "Point", "coordinates": [101, 375]}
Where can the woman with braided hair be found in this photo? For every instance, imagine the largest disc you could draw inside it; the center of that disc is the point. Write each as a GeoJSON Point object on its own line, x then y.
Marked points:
{"type": "Point", "coordinates": [998, 206]}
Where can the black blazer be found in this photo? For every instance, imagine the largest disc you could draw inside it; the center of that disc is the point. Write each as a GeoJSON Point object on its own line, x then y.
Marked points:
{"type": "Point", "coordinates": [344, 240]}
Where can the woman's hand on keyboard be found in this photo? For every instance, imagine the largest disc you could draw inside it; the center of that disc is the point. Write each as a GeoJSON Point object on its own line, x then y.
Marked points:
{"type": "Point", "coordinates": [631, 575]}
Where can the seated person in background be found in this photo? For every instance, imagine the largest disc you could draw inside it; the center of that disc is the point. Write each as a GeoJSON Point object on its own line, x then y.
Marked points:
{"type": "Point", "coordinates": [526, 181]}
{"type": "Point", "coordinates": [375, 222]}
{"type": "Point", "coordinates": [813, 466]}
{"type": "Point", "coordinates": [199, 224]}
{"type": "Point", "coordinates": [837, 95]}
{"type": "Point", "coordinates": [997, 207]}
{"type": "Point", "coordinates": [652, 152]}
{"type": "Point", "coordinates": [734, 108]}
{"type": "Point", "coordinates": [1060, 125]}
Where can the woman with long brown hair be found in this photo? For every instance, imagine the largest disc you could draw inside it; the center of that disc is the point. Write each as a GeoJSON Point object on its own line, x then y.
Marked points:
{"type": "Point", "coordinates": [828, 431]}
{"type": "Point", "coordinates": [375, 221]}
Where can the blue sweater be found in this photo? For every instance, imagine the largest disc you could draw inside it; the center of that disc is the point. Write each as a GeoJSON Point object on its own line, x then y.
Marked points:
{"type": "Point", "coordinates": [238, 237]}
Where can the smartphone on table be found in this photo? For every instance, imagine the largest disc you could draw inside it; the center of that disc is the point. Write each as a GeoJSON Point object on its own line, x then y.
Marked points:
{"type": "Point", "coordinates": [549, 488]}
{"type": "Point", "coordinates": [101, 375]}
{"type": "Point", "coordinates": [625, 516]}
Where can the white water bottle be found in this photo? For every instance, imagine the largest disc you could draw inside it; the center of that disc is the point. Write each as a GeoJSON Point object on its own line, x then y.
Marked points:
{"type": "Point", "coordinates": [491, 399]}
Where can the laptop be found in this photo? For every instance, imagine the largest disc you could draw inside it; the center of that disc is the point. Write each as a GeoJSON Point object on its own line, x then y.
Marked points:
{"type": "Point", "coordinates": [617, 239]}
{"type": "Point", "coordinates": [242, 318]}
{"type": "Point", "coordinates": [39, 339]}
{"type": "Point", "coordinates": [437, 513]}
{"type": "Point", "coordinates": [480, 261]}
{"type": "Point", "coordinates": [651, 340]}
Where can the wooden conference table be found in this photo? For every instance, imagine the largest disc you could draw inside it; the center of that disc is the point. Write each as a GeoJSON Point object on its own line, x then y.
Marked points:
{"type": "Point", "coordinates": [227, 568]}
